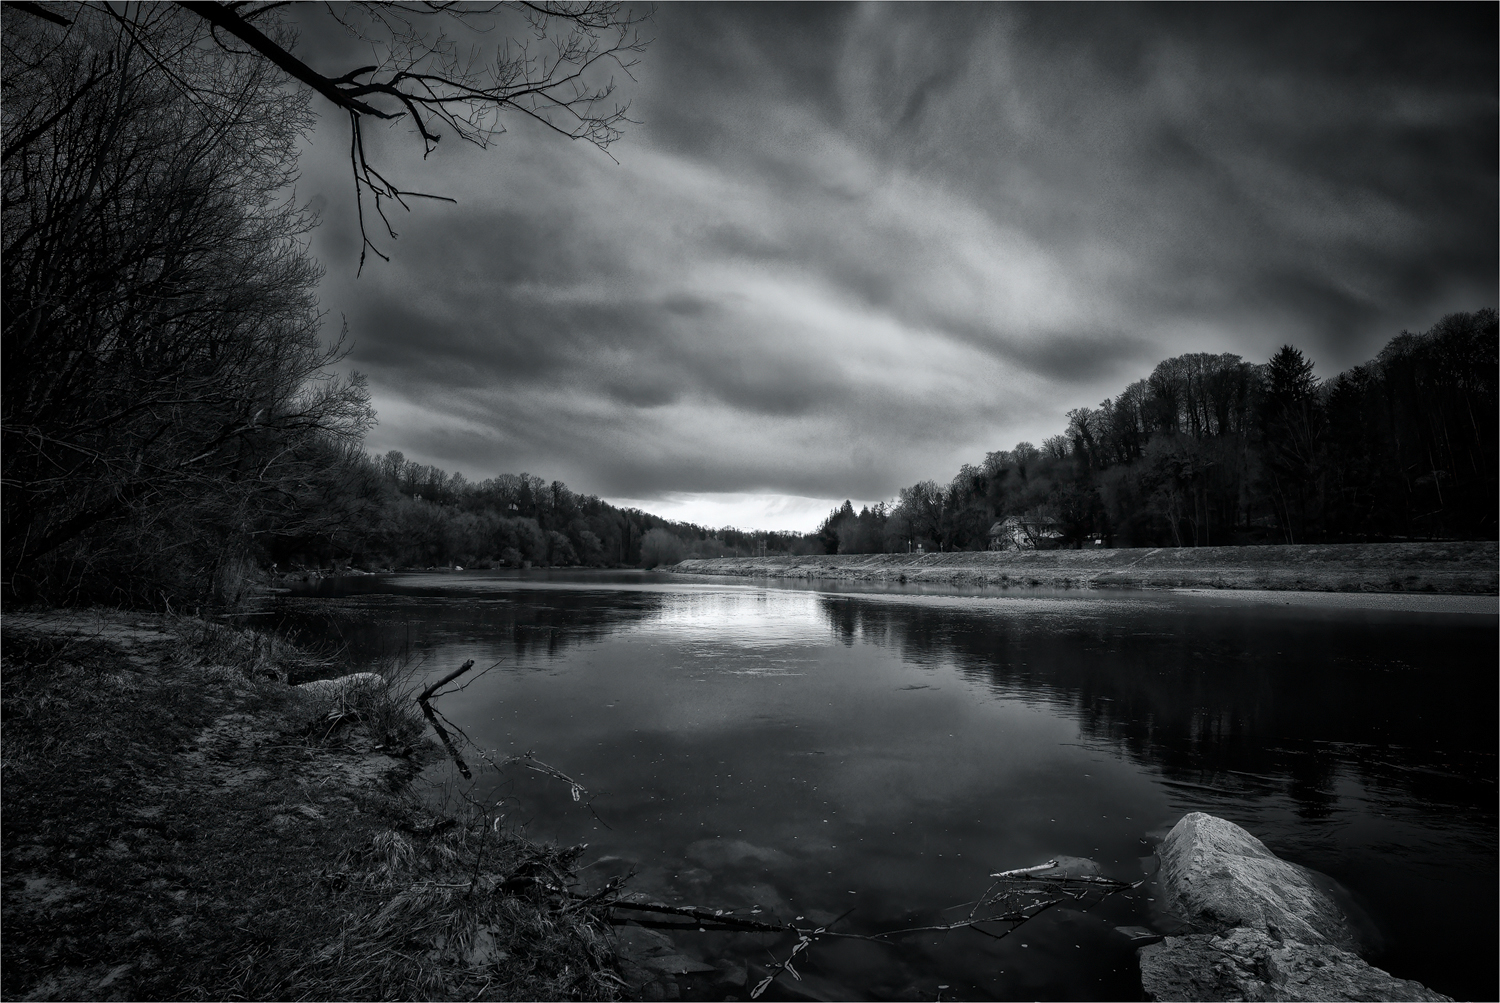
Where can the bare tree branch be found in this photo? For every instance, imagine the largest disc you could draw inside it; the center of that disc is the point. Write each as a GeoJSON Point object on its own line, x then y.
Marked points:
{"type": "Point", "coordinates": [424, 77]}
{"type": "Point", "coordinates": [223, 16]}
{"type": "Point", "coordinates": [37, 10]}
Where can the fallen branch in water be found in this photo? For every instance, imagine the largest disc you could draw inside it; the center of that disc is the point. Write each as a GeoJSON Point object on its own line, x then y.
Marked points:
{"type": "Point", "coordinates": [803, 942]}
{"type": "Point", "coordinates": [530, 762]}
{"type": "Point", "coordinates": [432, 717]}
{"type": "Point", "coordinates": [467, 682]}
{"type": "Point", "coordinates": [1056, 886]}
{"type": "Point", "coordinates": [1013, 899]}
{"type": "Point", "coordinates": [427, 694]}
{"type": "Point", "coordinates": [718, 918]}
{"type": "Point", "coordinates": [1021, 871]}
{"type": "Point", "coordinates": [1015, 896]}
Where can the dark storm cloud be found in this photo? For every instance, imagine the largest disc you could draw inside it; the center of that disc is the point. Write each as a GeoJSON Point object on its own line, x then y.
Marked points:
{"type": "Point", "coordinates": [851, 246]}
{"type": "Point", "coordinates": [504, 330]}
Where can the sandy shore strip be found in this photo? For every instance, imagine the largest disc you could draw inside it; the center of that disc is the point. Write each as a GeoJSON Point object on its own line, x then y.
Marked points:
{"type": "Point", "coordinates": [1396, 602]}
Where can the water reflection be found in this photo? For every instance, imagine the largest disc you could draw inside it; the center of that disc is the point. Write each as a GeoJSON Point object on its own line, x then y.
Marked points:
{"type": "Point", "coordinates": [1236, 700]}
{"type": "Point", "coordinates": [374, 617]}
{"type": "Point", "coordinates": [1377, 729]}
{"type": "Point", "coordinates": [803, 749]}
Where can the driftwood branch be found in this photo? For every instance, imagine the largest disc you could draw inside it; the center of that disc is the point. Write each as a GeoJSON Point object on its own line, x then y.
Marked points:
{"type": "Point", "coordinates": [718, 918]}
{"type": "Point", "coordinates": [1023, 871]}
{"type": "Point", "coordinates": [424, 702]}
{"type": "Point", "coordinates": [525, 759]}
{"type": "Point", "coordinates": [429, 691]}
{"type": "Point", "coordinates": [1007, 907]}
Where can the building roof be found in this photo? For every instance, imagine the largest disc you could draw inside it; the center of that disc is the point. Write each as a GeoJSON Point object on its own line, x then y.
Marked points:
{"type": "Point", "coordinates": [1016, 520]}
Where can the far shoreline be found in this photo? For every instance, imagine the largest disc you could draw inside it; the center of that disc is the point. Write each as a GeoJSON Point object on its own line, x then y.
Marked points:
{"type": "Point", "coordinates": [1428, 568]}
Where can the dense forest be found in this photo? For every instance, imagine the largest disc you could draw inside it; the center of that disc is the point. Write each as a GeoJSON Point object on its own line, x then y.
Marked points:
{"type": "Point", "coordinates": [1212, 450]}
{"type": "Point", "coordinates": [389, 512]}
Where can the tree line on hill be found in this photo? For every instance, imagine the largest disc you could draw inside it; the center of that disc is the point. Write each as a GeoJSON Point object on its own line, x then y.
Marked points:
{"type": "Point", "coordinates": [390, 512]}
{"type": "Point", "coordinates": [1212, 450]}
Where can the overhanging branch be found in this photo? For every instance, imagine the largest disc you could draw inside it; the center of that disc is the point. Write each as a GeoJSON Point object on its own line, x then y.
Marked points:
{"type": "Point", "coordinates": [226, 19]}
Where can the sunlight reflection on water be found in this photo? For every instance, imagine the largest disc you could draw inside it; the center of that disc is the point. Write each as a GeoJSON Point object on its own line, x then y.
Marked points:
{"type": "Point", "coordinates": [794, 748]}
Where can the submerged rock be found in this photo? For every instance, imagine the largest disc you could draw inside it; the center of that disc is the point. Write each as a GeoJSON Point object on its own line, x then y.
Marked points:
{"type": "Point", "coordinates": [1268, 931]}
{"type": "Point", "coordinates": [1068, 867]}
{"type": "Point", "coordinates": [1139, 936]}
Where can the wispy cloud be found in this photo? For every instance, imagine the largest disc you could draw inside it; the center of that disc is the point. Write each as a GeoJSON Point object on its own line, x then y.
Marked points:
{"type": "Point", "coordinates": [851, 247]}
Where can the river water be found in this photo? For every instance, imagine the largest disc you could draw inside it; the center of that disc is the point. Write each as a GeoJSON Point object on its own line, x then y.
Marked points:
{"type": "Point", "coordinates": [813, 749]}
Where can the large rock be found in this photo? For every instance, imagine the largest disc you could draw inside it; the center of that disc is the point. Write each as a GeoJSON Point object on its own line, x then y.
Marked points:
{"type": "Point", "coordinates": [335, 689]}
{"type": "Point", "coordinates": [1245, 964]}
{"type": "Point", "coordinates": [1269, 931]}
{"type": "Point", "coordinates": [1215, 876]}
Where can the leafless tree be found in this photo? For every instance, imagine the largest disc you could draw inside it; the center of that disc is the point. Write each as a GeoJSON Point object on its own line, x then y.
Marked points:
{"type": "Point", "coordinates": [162, 367]}
{"type": "Point", "coordinates": [160, 331]}
{"type": "Point", "coordinates": [554, 64]}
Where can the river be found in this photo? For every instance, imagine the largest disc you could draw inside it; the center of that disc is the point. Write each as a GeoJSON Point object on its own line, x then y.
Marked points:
{"type": "Point", "coordinates": [816, 749]}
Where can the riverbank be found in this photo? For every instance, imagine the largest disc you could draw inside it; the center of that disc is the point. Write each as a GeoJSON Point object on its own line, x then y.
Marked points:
{"type": "Point", "coordinates": [1454, 568]}
{"type": "Point", "coordinates": [181, 822]}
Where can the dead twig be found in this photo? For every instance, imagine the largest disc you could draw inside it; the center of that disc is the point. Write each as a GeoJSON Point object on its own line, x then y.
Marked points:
{"type": "Point", "coordinates": [529, 761]}
{"type": "Point", "coordinates": [429, 691]}
{"type": "Point", "coordinates": [432, 717]}
{"type": "Point", "coordinates": [803, 942]}
{"type": "Point", "coordinates": [718, 918]}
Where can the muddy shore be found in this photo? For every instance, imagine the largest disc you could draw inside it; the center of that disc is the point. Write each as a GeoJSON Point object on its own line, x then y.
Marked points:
{"type": "Point", "coordinates": [1452, 568]}
{"type": "Point", "coordinates": [182, 821]}
{"type": "Point", "coordinates": [194, 811]}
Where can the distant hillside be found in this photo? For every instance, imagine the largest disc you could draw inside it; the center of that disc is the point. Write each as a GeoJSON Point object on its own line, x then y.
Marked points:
{"type": "Point", "coordinates": [387, 511]}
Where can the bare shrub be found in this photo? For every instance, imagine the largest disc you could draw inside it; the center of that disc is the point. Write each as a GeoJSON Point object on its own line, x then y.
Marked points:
{"type": "Point", "coordinates": [659, 547]}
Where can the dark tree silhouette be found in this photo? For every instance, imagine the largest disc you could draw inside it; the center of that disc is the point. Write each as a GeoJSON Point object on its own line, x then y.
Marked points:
{"type": "Point", "coordinates": [160, 332]}
{"type": "Point", "coordinates": [1211, 450]}
{"type": "Point", "coordinates": [553, 65]}
{"type": "Point", "coordinates": [1292, 426]}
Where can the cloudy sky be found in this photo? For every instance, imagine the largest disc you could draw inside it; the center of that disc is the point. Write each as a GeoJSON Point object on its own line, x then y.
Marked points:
{"type": "Point", "coordinates": [851, 247]}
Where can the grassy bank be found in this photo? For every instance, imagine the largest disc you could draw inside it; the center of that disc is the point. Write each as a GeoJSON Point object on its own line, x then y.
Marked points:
{"type": "Point", "coordinates": [1434, 567]}
{"type": "Point", "coordinates": [181, 823]}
